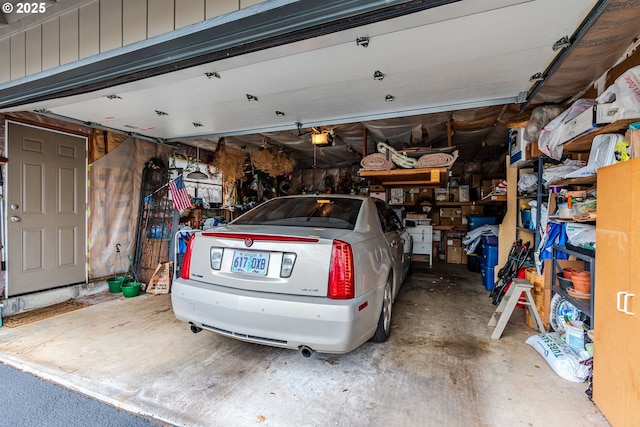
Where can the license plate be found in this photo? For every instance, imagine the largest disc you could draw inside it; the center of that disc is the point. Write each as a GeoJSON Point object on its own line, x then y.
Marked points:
{"type": "Point", "coordinates": [250, 262]}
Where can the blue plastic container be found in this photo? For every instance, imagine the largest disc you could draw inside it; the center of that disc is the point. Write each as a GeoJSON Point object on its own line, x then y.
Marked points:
{"type": "Point", "coordinates": [487, 239]}
{"type": "Point", "coordinates": [526, 218]}
{"type": "Point", "coordinates": [489, 256]}
{"type": "Point", "coordinates": [479, 221]}
{"type": "Point", "coordinates": [487, 278]}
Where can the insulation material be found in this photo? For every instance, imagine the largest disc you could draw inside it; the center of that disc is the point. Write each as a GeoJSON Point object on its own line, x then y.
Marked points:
{"type": "Point", "coordinates": [594, 54]}
{"type": "Point", "coordinates": [114, 190]}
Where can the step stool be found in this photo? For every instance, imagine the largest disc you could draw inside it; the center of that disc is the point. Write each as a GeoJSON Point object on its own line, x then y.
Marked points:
{"type": "Point", "coordinates": [503, 312]}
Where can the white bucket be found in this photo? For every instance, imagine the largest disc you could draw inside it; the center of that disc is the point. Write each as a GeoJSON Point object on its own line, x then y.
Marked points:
{"type": "Point", "coordinates": [574, 336]}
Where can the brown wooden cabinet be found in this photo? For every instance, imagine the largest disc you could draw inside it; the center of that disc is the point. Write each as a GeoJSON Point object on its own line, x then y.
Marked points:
{"type": "Point", "coordinates": [616, 376]}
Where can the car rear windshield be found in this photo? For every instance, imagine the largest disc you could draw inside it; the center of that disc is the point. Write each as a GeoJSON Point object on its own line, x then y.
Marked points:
{"type": "Point", "coordinates": [325, 212]}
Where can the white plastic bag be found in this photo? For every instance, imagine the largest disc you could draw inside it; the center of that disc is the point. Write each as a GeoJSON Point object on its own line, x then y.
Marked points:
{"type": "Point", "coordinates": [549, 140]}
{"type": "Point", "coordinates": [560, 357]}
{"type": "Point", "coordinates": [625, 91]}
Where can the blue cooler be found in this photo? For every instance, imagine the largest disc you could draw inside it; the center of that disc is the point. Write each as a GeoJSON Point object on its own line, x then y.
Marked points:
{"type": "Point", "coordinates": [488, 278]}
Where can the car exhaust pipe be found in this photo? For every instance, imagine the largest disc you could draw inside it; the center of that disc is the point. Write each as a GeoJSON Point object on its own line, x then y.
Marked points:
{"type": "Point", "coordinates": [195, 329]}
{"type": "Point", "coordinates": [306, 351]}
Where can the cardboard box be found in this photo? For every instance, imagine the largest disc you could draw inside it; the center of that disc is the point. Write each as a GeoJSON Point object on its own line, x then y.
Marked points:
{"type": "Point", "coordinates": [450, 213]}
{"type": "Point", "coordinates": [451, 221]}
{"type": "Point", "coordinates": [517, 146]}
{"type": "Point", "coordinates": [411, 196]}
{"type": "Point", "coordinates": [382, 195]}
{"type": "Point", "coordinates": [417, 216]}
{"type": "Point", "coordinates": [454, 194]}
{"type": "Point", "coordinates": [441, 194]}
{"type": "Point", "coordinates": [436, 235]}
{"type": "Point", "coordinates": [472, 210]}
{"type": "Point", "coordinates": [476, 180]}
{"type": "Point", "coordinates": [583, 123]}
{"type": "Point", "coordinates": [435, 218]}
{"type": "Point", "coordinates": [397, 196]}
{"type": "Point", "coordinates": [454, 242]}
{"type": "Point", "coordinates": [376, 188]}
{"type": "Point", "coordinates": [455, 234]}
{"type": "Point", "coordinates": [454, 254]}
{"type": "Point", "coordinates": [607, 113]}
{"type": "Point", "coordinates": [464, 194]}
{"type": "Point", "coordinates": [534, 151]}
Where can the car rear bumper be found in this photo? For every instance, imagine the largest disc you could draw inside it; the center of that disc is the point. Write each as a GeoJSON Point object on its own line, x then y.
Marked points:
{"type": "Point", "coordinates": [330, 326]}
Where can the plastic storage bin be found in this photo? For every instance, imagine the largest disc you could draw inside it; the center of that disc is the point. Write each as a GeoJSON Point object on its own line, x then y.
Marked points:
{"type": "Point", "coordinates": [489, 240]}
{"type": "Point", "coordinates": [474, 263]}
{"type": "Point", "coordinates": [479, 221]}
{"type": "Point", "coordinates": [488, 280]}
{"type": "Point", "coordinates": [489, 256]}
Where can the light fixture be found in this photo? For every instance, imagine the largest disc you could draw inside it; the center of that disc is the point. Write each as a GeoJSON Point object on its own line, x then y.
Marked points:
{"type": "Point", "coordinates": [197, 174]}
{"type": "Point", "coordinates": [537, 77]}
{"type": "Point", "coordinates": [561, 44]}
{"type": "Point", "coordinates": [319, 138]}
{"type": "Point", "coordinates": [362, 41]}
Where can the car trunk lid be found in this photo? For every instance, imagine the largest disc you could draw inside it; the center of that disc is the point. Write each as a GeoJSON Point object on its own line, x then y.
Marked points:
{"type": "Point", "coordinates": [252, 259]}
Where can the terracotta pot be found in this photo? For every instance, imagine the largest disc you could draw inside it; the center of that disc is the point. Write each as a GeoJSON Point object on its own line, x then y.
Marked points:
{"type": "Point", "coordinates": [567, 272]}
{"type": "Point", "coordinates": [582, 287]}
{"type": "Point", "coordinates": [580, 273]}
{"type": "Point", "coordinates": [581, 282]}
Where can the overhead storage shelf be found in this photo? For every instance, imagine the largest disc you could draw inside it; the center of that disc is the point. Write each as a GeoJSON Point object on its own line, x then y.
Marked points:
{"type": "Point", "coordinates": [583, 142]}
{"type": "Point", "coordinates": [426, 176]}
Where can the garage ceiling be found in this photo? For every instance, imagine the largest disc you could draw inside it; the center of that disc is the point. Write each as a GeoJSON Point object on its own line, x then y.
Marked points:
{"type": "Point", "coordinates": [426, 68]}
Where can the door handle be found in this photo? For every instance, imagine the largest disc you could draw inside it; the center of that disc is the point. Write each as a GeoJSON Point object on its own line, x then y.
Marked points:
{"type": "Point", "coordinates": [626, 302]}
{"type": "Point", "coordinates": [619, 301]}
{"type": "Point", "coordinates": [15, 218]}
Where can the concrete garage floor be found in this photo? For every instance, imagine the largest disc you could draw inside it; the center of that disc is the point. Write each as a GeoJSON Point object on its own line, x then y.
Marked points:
{"type": "Point", "coordinates": [439, 368]}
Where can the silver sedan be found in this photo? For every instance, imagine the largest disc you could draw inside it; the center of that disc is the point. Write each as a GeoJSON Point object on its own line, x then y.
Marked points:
{"type": "Point", "coordinates": [310, 272]}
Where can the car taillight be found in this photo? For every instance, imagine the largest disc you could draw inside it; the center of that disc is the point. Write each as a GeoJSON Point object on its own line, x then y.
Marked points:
{"type": "Point", "coordinates": [185, 269]}
{"type": "Point", "coordinates": [341, 280]}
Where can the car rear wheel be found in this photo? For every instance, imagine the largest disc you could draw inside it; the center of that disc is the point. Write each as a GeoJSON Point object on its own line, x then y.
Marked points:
{"type": "Point", "coordinates": [384, 322]}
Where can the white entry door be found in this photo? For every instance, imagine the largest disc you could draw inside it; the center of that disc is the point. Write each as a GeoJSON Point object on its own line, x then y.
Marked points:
{"type": "Point", "coordinates": [45, 209]}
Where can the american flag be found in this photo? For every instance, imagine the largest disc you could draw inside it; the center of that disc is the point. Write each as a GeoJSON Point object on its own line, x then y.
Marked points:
{"type": "Point", "coordinates": [179, 194]}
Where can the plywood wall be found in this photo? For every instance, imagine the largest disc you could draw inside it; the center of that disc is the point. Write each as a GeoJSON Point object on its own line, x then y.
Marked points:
{"type": "Point", "coordinates": [101, 26]}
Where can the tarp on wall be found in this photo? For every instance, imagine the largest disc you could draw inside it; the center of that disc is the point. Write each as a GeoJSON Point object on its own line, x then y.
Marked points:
{"type": "Point", "coordinates": [114, 196]}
